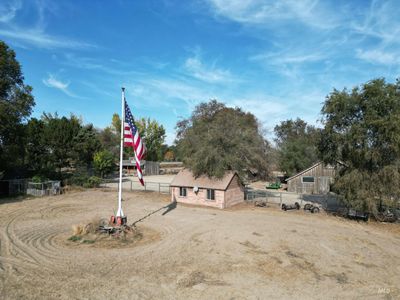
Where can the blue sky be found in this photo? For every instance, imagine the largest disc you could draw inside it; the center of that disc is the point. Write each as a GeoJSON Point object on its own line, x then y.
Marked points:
{"type": "Point", "coordinates": [276, 59]}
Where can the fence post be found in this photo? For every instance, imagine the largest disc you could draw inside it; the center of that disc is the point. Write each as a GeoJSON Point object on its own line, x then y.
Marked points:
{"type": "Point", "coordinates": [145, 184]}
{"type": "Point", "coordinates": [159, 188]}
{"type": "Point", "coordinates": [131, 185]}
{"type": "Point", "coordinates": [280, 199]}
{"type": "Point", "coordinates": [301, 199]}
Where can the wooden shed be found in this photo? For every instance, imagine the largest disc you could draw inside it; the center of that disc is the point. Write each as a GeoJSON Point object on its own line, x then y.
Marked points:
{"type": "Point", "coordinates": [220, 193]}
{"type": "Point", "coordinates": [148, 167]}
{"type": "Point", "coordinates": [314, 180]}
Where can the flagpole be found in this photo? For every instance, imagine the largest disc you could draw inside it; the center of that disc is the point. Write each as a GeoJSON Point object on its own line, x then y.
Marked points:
{"type": "Point", "coordinates": [120, 213]}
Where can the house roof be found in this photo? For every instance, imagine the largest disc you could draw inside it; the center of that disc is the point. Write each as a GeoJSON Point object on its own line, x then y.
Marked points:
{"type": "Point", "coordinates": [302, 172]}
{"type": "Point", "coordinates": [185, 178]}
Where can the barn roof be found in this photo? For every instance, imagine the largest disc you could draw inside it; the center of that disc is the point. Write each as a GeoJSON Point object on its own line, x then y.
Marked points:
{"type": "Point", "coordinates": [306, 170]}
{"type": "Point", "coordinates": [185, 178]}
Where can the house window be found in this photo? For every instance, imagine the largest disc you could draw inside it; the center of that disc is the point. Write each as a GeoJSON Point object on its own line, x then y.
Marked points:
{"type": "Point", "coordinates": [182, 192]}
{"type": "Point", "coordinates": [308, 179]}
{"type": "Point", "coordinates": [210, 194]}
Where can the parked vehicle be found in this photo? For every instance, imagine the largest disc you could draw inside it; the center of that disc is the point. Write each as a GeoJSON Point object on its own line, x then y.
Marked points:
{"type": "Point", "coordinates": [387, 214]}
{"type": "Point", "coordinates": [312, 208]}
{"type": "Point", "coordinates": [357, 215]}
{"type": "Point", "coordinates": [286, 207]}
{"type": "Point", "coordinates": [274, 186]}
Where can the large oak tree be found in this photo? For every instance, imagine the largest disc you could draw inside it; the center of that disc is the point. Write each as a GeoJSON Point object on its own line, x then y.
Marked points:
{"type": "Point", "coordinates": [362, 131]}
{"type": "Point", "coordinates": [217, 138]}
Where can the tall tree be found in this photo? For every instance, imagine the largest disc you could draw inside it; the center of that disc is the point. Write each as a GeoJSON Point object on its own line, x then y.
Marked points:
{"type": "Point", "coordinates": [217, 138]}
{"type": "Point", "coordinates": [296, 142]}
{"type": "Point", "coordinates": [16, 102]}
{"type": "Point", "coordinates": [362, 130]}
{"type": "Point", "coordinates": [86, 143]}
{"type": "Point", "coordinates": [38, 156]}
{"type": "Point", "coordinates": [59, 135]}
{"type": "Point", "coordinates": [109, 140]}
{"type": "Point", "coordinates": [153, 135]}
{"type": "Point", "coordinates": [116, 123]}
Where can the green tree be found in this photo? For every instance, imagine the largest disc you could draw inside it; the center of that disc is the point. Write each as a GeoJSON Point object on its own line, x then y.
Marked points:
{"type": "Point", "coordinates": [109, 140]}
{"type": "Point", "coordinates": [362, 131]}
{"type": "Point", "coordinates": [297, 145]}
{"type": "Point", "coordinates": [85, 144]}
{"type": "Point", "coordinates": [116, 123]}
{"type": "Point", "coordinates": [104, 162]}
{"type": "Point", "coordinates": [217, 138]}
{"type": "Point", "coordinates": [16, 102]}
{"type": "Point", "coordinates": [59, 136]}
{"type": "Point", "coordinates": [38, 156]}
{"type": "Point", "coordinates": [153, 135]}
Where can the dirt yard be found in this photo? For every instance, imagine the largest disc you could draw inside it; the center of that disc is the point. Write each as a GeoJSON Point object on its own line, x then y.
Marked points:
{"type": "Point", "coordinates": [193, 253]}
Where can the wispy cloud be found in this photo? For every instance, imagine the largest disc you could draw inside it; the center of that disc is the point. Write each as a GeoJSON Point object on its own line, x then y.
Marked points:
{"type": "Point", "coordinates": [268, 109]}
{"type": "Point", "coordinates": [380, 21]}
{"type": "Point", "coordinates": [260, 12]}
{"type": "Point", "coordinates": [196, 68]}
{"type": "Point", "coordinates": [380, 30]}
{"type": "Point", "coordinates": [40, 39]}
{"type": "Point", "coordinates": [90, 63]}
{"type": "Point", "coordinates": [35, 33]}
{"type": "Point", "coordinates": [379, 57]}
{"type": "Point", "coordinates": [53, 82]}
{"type": "Point", "coordinates": [8, 10]}
{"type": "Point", "coordinates": [288, 58]}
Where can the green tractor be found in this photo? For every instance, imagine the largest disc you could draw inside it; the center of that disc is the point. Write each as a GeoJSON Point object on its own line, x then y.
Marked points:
{"type": "Point", "coordinates": [274, 186]}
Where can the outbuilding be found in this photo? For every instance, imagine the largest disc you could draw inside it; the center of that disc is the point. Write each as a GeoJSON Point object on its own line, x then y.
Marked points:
{"type": "Point", "coordinates": [220, 193]}
{"type": "Point", "coordinates": [316, 179]}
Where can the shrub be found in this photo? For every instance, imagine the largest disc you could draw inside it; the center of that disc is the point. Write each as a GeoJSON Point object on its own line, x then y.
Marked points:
{"type": "Point", "coordinates": [39, 178]}
{"type": "Point", "coordinates": [94, 181]}
{"type": "Point", "coordinates": [79, 179]}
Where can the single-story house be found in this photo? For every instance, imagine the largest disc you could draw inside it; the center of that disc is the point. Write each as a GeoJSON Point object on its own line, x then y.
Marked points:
{"type": "Point", "coordinates": [220, 193]}
{"type": "Point", "coordinates": [316, 179]}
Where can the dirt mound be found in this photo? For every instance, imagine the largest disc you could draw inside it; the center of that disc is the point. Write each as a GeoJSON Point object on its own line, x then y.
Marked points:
{"type": "Point", "coordinates": [89, 234]}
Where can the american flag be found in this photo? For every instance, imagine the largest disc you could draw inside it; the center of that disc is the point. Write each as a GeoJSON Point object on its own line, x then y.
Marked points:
{"type": "Point", "coordinates": [132, 139]}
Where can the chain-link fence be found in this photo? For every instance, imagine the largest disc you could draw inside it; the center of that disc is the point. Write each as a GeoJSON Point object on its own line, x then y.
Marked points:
{"type": "Point", "coordinates": [161, 187]}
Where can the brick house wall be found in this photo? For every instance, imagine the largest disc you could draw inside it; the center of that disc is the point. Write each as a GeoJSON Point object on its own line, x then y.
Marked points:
{"type": "Point", "coordinates": [234, 194]}
{"type": "Point", "coordinates": [199, 198]}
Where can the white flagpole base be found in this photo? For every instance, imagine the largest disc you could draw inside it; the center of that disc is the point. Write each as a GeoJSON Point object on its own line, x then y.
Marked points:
{"type": "Point", "coordinates": [120, 213]}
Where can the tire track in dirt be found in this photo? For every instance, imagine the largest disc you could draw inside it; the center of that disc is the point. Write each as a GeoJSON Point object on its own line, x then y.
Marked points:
{"type": "Point", "coordinates": [14, 256]}
{"type": "Point", "coordinates": [35, 248]}
{"type": "Point", "coordinates": [43, 241]}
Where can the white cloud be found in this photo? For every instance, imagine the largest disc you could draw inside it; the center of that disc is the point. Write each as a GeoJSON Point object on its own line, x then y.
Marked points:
{"type": "Point", "coordinates": [261, 12]}
{"type": "Point", "coordinates": [8, 10]}
{"type": "Point", "coordinates": [378, 57]}
{"type": "Point", "coordinates": [268, 109]}
{"type": "Point", "coordinates": [33, 34]}
{"type": "Point", "coordinates": [381, 21]}
{"type": "Point", "coordinates": [53, 82]}
{"type": "Point", "coordinates": [195, 68]}
{"type": "Point", "coordinates": [288, 58]}
{"type": "Point", "coordinates": [40, 39]}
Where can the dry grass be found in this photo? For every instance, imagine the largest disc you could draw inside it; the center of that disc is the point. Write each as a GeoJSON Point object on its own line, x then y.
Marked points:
{"type": "Point", "coordinates": [190, 252]}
